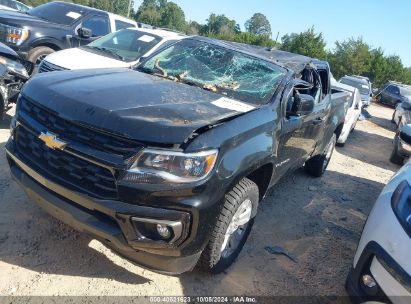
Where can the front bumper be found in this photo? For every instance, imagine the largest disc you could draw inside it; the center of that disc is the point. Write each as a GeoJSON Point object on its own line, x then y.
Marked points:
{"type": "Point", "coordinates": [383, 252]}
{"type": "Point", "coordinates": [393, 281]}
{"type": "Point", "coordinates": [106, 220]}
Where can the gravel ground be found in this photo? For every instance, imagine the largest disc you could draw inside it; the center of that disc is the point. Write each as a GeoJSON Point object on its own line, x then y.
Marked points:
{"type": "Point", "coordinates": [318, 220]}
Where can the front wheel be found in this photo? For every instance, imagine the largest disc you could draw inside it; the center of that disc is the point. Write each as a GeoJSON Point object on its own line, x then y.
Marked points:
{"type": "Point", "coordinates": [233, 226]}
{"type": "Point", "coordinates": [317, 165]}
{"type": "Point", "coordinates": [37, 55]}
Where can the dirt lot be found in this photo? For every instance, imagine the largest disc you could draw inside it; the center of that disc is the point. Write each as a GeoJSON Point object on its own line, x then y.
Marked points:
{"type": "Point", "coordinates": [319, 220]}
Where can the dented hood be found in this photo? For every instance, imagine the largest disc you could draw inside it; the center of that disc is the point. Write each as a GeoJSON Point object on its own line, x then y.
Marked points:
{"type": "Point", "coordinates": [132, 104]}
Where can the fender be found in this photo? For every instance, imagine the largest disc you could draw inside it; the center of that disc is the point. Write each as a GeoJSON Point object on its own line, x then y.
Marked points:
{"type": "Point", "coordinates": [48, 41]}
{"type": "Point", "coordinates": [240, 156]}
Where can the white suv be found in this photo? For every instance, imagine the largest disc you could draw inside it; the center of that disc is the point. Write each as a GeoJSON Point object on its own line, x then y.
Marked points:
{"type": "Point", "coordinates": [122, 49]}
{"type": "Point", "coordinates": [382, 263]}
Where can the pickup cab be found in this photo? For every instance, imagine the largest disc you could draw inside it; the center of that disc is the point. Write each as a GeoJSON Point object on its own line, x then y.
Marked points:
{"type": "Point", "coordinates": [167, 163]}
{"type": "Point", "coordinates": [55, 26]}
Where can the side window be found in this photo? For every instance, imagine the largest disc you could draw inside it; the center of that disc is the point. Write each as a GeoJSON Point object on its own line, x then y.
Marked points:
{"type": "Point", "coordinates": [122, 25]}
{"type": "Point", "coordinates": [395, 90]}
{"type": "Point", "coordinates": [324, 81]}
{"type": "Point", "coordinates": [98, 25]}
{"type": "Point", "coordinates": [312, 77]}
{"type": "Point", "coordinates": [21, 7]}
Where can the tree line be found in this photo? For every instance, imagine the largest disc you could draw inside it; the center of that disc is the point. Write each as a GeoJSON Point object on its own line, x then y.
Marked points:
{"type": "Point", "coordinates": [349, 57]}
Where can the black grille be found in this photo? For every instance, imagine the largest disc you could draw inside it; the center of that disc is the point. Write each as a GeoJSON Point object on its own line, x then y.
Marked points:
{"type": "Point", "coordinates": [46, 66]}
{"type": "Point", "coordinates": [69, 131]}
{"type": "Point", "coordinates": [70, 171]}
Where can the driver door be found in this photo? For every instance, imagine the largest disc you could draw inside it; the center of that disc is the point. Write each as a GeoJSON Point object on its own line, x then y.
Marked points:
{"type": "Point", "coordinates": [297, 139]}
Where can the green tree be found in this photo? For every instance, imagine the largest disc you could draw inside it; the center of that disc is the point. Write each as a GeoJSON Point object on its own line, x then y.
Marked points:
{"type": "Point", "coordinates": [306, 43]}
{"type": "Point", "coordinates": [220, 24]}
{"type": "Point", "coordinates": [258, 24]}
{"type": "Point", "coordinates": [161, 13]}
{"type": "Point", "coordinates": [194, 28]}
{"type": "Point", "coordinates": [351, 57]}
{"type": "Point", "coordinates": [149, 13]}
{"type": "Point", "coordinates": [172, 16]}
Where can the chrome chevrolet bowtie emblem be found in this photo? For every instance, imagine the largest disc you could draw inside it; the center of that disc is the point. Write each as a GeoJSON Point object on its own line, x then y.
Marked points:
{"type": "Point", "coordinates": [52, 141]}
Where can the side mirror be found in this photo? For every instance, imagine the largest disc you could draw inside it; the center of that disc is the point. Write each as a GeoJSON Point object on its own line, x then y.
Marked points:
{"type": "Point", "coordinates": [405, 133]}
{"type": "Point", "coordinates": [85, 33]}
{"type": "Point", "coordinates": [303, 104]}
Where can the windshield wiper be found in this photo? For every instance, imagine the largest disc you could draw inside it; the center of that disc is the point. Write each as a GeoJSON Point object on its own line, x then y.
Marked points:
{"type": "Point", "coordinates": [109, 51]}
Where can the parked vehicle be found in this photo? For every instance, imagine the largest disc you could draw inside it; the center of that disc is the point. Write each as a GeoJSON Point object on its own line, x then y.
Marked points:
{"type": "Point", "coordinates": [363, 84]}
{"type": "Point", "coordinates": [13, 5]}
{"type": "Point", "coordinates": [393, 93]}
{"type": "Point", "coordinates": [353, 112]}
{"type": "Point", "coordinates": [402, 139]}
{"type": "Point", "coordinates": [167, 163]}
{"type": "Point", "coordinates": [12, 76]}
{"type": "Point", "coordinates": [55, 26]}
{"type": "Point", "coordinates": [382, 265]}
{"type": "Point", "coordinates": [400, 110]}
{"type": "Point", "coordinates": [120, 49]}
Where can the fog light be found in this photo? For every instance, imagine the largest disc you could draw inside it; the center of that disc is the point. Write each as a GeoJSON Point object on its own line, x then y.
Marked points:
{"type": "Point", "coordinates": [368, 281]}
{"type": "Point", "coordinates": [163, 231]}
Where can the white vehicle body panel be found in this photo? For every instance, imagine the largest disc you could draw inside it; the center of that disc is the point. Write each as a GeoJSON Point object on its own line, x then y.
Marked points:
{"type": "Point", "coordinates": [77, 58]}
{"type": "Point", "coordinates": [391, 287]}
{"type": "Point", "coordinates": [384, 228]}
{"type": "Point", "coordinates": [352, 113]}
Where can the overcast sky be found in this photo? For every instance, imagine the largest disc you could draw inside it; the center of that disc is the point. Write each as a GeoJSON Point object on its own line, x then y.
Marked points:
{"type": "Point", "coordinates": [381, 23]}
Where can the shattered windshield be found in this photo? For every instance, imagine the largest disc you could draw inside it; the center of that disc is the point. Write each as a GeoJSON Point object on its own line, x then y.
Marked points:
{"type": "Point", "coordinates": [217, 69]}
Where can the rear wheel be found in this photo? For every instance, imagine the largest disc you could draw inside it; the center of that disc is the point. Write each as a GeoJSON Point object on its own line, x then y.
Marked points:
{"type": "Point", "coordinates": [233, 226]}
{"type": "Point", "coordinates": [37, 55]}
{"type": "Point", "coordinates": [396, 157]}
{"type": "Point", "coordinates": [317, 165]}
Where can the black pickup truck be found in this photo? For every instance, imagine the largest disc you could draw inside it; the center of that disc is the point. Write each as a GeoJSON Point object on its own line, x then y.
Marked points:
{"type": "Point", "coordinates": [167, 163]}
{"type": "Point", "coordinates": [55, 26]}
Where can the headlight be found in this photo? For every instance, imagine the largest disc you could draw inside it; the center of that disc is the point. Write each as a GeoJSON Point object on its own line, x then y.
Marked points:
{"type": "Point", "coordinates": [162, 166]}
{"type": "Point", "coordinates": [15, 35]}
{"type": "Point", "coordinates": [401, 204]}
{"type": "Point", "coordinates": [14, 66]}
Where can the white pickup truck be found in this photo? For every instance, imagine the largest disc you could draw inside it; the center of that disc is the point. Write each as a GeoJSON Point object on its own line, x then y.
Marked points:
{"type": "Point", "coordinates": [353, 109]}
{"type": "Point", "coordinates": [122, 49]}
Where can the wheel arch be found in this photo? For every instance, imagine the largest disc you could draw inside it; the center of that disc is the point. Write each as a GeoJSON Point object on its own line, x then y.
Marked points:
{"type": "Point", "coordinates": [262, 177]}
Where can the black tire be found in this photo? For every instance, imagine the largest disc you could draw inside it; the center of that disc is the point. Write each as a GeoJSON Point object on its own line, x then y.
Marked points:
{"type": "Point", "coordinates": [396, 157]}
{"type": "Point", "coordinates": [37, 54]}
{"type": "Point", "coordinates": [212, 259]}
{"type": "Point", "coordinates": [317, 165]}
